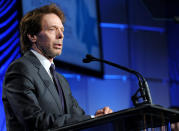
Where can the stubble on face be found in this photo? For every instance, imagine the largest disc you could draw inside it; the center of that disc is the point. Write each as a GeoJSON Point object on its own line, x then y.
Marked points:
{"type": "Point", "coordinates": [46, 49]}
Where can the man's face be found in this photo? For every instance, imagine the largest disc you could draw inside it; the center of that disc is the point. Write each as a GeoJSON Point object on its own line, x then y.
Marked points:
{"type": "Point", "coordinates": [50, 39]}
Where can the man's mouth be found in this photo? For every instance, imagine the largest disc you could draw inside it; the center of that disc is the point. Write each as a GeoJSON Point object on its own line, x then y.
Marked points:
{"type": "Point", "coordinates": [59, 46]}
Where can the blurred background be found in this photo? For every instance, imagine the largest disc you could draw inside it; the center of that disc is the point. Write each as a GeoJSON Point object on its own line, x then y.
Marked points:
{"type": "Point", "coordinates": [130, 36]}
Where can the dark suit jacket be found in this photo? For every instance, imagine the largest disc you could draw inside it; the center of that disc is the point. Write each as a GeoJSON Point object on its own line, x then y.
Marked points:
{"type": "Point", "coordinates": [31, 101]}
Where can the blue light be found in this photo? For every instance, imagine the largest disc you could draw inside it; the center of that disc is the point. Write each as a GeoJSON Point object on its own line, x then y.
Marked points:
{"type": "Point", "coordinates": [112, 25]}
{"type": "Point", "coordinates": [115, 77]}
{"type": "Point", "coordinates": [9, 41]}
{"type": "Point", "coordinates": [2, 1]}
{"type": "Point", "coordinates": [133, 27]}
{"type": "Point", "coordinates": [147, 28]}
{"type": "Point", "coordinates": [2, 120]}
{"type": "Point", "coordinates": [124, 78]}
{"type": "Point", "coordinates": [8, 20]}
{"type": "Point", "coordinates": [7, 2]}
{"type": "Point", "coordinates": [169, 126]}
{"type": "Point", "coordinates": [8, 8]}
{"type": "Point", "coordinates": [6, 64]}
{"type": "Point", "coordinates": [71, 76]}
{"type": "Point", "coordinates": [9, 49]}
{"type": "Point", "coordinates": [18, 56]}
{"type": "Point", "coordinates": [5, 8]}
{"type": "Point", "coordinates": [8, 30]}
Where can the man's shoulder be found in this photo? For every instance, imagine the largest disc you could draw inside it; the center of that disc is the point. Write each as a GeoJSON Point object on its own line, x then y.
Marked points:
{"type": "Point", "coordinates": [22, 64]}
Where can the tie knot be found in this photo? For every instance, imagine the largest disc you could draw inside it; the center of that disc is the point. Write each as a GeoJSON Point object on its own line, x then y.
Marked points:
{"type": "Point", "coordinates": [52, 67]}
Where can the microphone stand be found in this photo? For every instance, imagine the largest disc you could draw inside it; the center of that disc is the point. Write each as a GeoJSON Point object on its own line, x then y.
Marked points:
{"type": "Point", "coordinates": [143, 85]}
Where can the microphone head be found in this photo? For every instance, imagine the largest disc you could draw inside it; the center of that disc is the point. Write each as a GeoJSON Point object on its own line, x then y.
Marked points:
{"type": "Point", "coordinates": [89, 56]}
{"type": "Point", "coordinates": [86, 60]}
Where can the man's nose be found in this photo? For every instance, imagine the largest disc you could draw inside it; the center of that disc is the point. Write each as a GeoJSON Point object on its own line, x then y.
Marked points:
{"type": "Point", "coordinates": [60, 34]}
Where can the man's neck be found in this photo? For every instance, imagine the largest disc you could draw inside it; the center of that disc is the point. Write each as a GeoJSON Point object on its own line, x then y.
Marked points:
{"type": "Point", "coordinates": [39, 51]}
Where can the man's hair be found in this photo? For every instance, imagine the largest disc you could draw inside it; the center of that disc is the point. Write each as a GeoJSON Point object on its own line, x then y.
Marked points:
{"type": "Point", "coordinates": [31, 23]}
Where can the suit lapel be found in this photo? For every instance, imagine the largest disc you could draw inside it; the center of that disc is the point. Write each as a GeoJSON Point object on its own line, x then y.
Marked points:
{"type": "Point", "coordinates": [66, 96]}
{"type": "Point", "coordinates": [45, 78]}
{"type": "Point", "coordinates": [50, 85]}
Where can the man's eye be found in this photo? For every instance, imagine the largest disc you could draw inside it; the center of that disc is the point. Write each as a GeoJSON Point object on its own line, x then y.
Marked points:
{"type": "Point", "coordinates": [51, 29]}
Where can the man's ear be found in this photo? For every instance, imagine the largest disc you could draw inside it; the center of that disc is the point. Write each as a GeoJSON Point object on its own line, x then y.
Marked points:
{"type": "Point", "coordinates": [33, 38]}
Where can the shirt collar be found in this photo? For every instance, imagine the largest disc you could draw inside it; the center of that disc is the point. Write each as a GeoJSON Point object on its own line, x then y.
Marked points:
{"type": "Point", "coordinates": [43, 60]}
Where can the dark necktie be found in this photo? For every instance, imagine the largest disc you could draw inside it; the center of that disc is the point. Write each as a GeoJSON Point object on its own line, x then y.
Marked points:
{"type": "Point", "coordinates": [57, 84]}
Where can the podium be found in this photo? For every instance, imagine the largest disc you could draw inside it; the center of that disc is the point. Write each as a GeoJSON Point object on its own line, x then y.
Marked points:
{"type": "Point", "coordinates": [132, 119]}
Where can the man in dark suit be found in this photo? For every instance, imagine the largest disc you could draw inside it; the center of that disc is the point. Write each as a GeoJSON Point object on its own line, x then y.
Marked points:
{"type": "Point", "coordinates": [35, 97]}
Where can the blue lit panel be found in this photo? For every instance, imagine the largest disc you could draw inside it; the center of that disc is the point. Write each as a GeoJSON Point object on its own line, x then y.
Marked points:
{"type": "Point", "coordinates": [9, 47]}
{"type": "Point", "coordinates": [8, 8]}
{"type": "Point", "coordinates": [133, 27]}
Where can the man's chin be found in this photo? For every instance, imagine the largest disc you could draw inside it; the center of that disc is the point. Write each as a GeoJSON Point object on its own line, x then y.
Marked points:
{"type": "Point", "coordinates": [58, 51]}
{"type": "Point", "coordinates": [58, 54]}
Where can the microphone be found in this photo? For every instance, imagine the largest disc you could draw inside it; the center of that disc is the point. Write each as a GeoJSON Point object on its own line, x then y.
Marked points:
{"type": "Point", "coordinates": [143, 85]}
{"type": "Point", "coordinates": [88, 59]}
